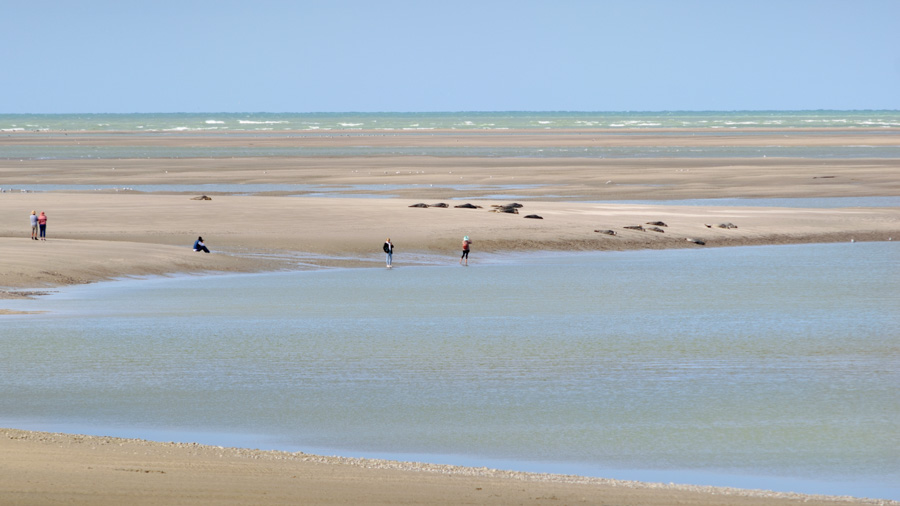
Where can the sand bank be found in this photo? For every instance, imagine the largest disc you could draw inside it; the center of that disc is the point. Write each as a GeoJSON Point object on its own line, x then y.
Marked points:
{"type": "Point", "coordinates": [45, 468]}
{"type": "Point", "coordinates": [100, 236]}
{"type": "Point", "coordinates": [114, 231]}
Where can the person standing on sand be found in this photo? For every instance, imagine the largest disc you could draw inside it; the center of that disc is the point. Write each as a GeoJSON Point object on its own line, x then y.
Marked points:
{"type": "Point", "coordinates": [34, 225]}
{"type": "Point", "coordinates": [199, 246]}
{"type": "Point", "coordinates": [465, 250]}
{"type": "Point", "coordinates": [389, 251]}
{"type": "Point", "coordinates": [42, 222]}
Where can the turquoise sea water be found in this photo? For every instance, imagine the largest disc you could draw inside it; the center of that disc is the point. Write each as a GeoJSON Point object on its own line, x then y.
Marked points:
{"type": "Point", "coordinates": [771, 367]}
{"type": "Point", "coordinates": [311, 125]}
{"type": "Point", "coordinates": [349, 122]}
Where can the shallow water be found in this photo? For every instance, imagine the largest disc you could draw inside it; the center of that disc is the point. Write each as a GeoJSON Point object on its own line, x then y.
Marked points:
{"type": "Point", "coordinates": [76, 152]}
{"type": "Point", "coordinates": [363, 190]}
{"type": "Point", "coordinates": [763, 367]}
{"type": "Point", "coordinates": [812, 202]}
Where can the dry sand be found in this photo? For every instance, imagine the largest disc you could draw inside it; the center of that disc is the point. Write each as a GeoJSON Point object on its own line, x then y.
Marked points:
{"type": "Point", "coordinates": [44, 468]}
{"type": "Point", "coordinates": [97, 235]}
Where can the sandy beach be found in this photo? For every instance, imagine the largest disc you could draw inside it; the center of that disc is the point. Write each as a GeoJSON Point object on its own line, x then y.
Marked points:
{"type": "Point", "coordinates": [95, 235]}
{"type": "Point", "coordinates": [45, 468]}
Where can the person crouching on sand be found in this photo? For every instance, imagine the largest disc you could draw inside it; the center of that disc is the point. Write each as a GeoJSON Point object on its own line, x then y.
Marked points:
{"type": "Point", "coordinates": [389, 251]}
{"type": "Point", "coordinates": [199, 246]}
{"type": "Point", "coordinates": [465, 247]}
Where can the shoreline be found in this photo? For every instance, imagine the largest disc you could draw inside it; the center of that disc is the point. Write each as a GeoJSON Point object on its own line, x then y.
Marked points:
{"type": "Point", "coordinates": [147, 472]}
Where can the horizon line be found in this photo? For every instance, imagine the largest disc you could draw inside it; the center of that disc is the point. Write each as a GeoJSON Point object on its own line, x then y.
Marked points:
{"type": "Point", "coordinates": [535, 111]}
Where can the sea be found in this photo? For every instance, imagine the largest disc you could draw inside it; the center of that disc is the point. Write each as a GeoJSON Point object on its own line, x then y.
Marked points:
{"type": "Point", "coordinates": [362, 125]}
{"type": "Point", "coordinates": [425, 121]}
{"type": "Point", "coordinates": [765, 367]}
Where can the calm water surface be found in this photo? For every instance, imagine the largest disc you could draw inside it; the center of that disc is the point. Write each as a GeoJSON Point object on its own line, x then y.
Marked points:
{"type": "Point", "coordinates": [764, 367]}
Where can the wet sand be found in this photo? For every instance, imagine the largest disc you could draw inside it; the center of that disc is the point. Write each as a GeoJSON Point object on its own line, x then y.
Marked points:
{"type": "Point", "coordinates": [98, 235]}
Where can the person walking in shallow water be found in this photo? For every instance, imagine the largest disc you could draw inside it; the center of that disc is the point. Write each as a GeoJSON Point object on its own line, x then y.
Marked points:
{"type": "Point", "coordinates": [42, 223]}
{"type": "Point", "coordinates": [389, 252]}
{"type": "Point", "coordinates": [465, 250]}
{"type": "Point", "coordinates": [34, 225]}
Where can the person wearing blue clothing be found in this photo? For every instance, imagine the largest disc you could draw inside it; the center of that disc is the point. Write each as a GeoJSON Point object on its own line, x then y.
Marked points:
{"type": "Point", "coordinates": [389, 252]}
{"type": "Point", "coordinates": [34, 225]}
{"type": "Point", "coordinates": [199, 246]}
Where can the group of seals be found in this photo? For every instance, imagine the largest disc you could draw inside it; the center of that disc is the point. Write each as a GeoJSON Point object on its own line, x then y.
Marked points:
{"type": "Point", "coordinates": [655, 228]}
{"type": "Point", "coordinates": [721, 225]}
{"type": "Point", "coordinates": [439, 204]}
{"type": "Point", "coordinates": [507, 208]}
{"type": "Point", "coordinates": [496, 208]}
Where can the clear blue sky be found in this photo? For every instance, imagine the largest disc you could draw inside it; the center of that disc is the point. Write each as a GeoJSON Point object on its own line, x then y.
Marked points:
{"type": "Point", "coordinates": [421, 55]}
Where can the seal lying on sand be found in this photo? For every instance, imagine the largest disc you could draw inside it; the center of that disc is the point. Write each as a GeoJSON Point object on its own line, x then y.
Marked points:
{"type": "Point", "coordinates": [467, 206]}
{"type": "Point", "coordinates": [535, 217]}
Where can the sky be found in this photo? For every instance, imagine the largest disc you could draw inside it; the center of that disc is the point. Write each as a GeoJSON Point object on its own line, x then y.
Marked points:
{"type": "Point", "coordinates": [115, 56]}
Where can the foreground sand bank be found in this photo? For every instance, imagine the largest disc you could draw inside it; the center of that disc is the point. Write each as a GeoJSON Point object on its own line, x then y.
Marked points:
{"type": "Point", "coordinates": [44, 468]}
